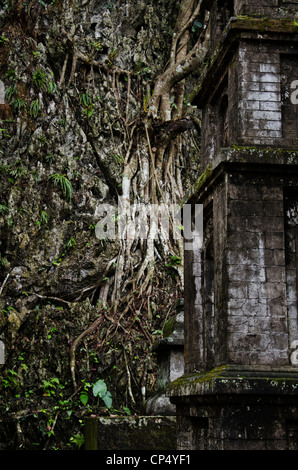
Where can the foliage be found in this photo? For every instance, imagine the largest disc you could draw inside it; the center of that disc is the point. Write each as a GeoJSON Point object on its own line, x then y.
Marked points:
{"type": "Point", "coordinates": [100, 390]}
{"type": "Point", "coordinates": [64, 183]}
{"type": "Point", "coordinates": [3, 261]}
{"type": "Point", "coordinates": [3, 40]}
{"type": "Point", "coordinates": [40, 79]}
{"type": "Point", "coordinates": [34, 108]}
{"type": "Point", "coordinates": [44, 218]}
{"type": "Point", "coordinates": [3, 208]}
{"type": "Point", "coordinates": [19, 104]}
{"type": "Point", "coordinates": [109, 310]}
{"type": "Point", "coordinates": [86, 101]}
{"type": "Point", "coordinates": [71, 243]}
{"type": "Point", "coordinates": [11, 91]}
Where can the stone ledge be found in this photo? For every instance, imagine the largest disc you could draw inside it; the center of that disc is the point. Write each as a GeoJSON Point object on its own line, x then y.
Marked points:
{"type": "Point", "coordinates": [269, 155]}
{"type": "Point", "coordinates": [234, 380]}
{"type": "Point", "coordinates": [244, 158]}
{"type": "Point", "coordinates": [130, 433]}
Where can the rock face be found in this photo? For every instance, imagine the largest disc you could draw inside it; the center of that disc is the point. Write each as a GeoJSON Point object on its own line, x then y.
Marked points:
{"type": "Point", "coordinates": [75, 82]}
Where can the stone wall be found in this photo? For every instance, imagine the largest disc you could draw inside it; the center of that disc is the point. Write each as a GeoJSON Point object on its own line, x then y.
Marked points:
{"type": "Point", "coordinates": [267, 8]}
{"type": "Point", "coordinates": [257, 330]}
{"type": "Point", "coordinates": [130, 433]}
{"type": "Point", "coordinates": [252, 106]}
{"type": "Point", "coordinates": [240, 389]}
{"type": "Point", "coordinates": [240, 304]}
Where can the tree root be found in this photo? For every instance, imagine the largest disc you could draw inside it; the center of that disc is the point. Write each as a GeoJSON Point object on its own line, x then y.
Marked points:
{"type": "Point", "coordinates": [75, 344]}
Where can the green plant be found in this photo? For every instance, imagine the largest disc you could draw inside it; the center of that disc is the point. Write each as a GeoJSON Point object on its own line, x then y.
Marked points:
{"type": "Point", "coordinates": [11, 91]}
{"type": "Point", "coordinates": [42, 3]}
{"type": "Point", "coordinates": [3, 261]}
{"type": "Point", "coordinates": [11, 74]}
{"type": "Point", "coordinates": [18, 170]}
{"type": "Point", "coordinates": [52, 87]}
{"type": "Point", "coordinates": [86, 101]}
{"type": "Point", "coordinates": [112, 57]}
{"type": "Point", "coordinates": [19, 104]}
{"type": "Point", "coordinates": [44, 218]}
{"type": "Point", "coordinates": [3, 208]}
{"type": "Point", "coordinates": [34, 108]}
{"type": "Point", "coordinates": [77, 440]}
{"type": "Point", "coordinates": [118, 158]}
{"type": "Point", "coordinates": [142, 69]}
{"type": "Point", "coordinates": [50, 158]}
{"type": "Point", "coordinates": [174, 261]}
{"type": "Point", "coordinates": [146, 101]}
{"type": "Point", "coordinates": [70, 243]}
{"type": "Point", "coordinates": [40, 79]}
{"type": "Point", "coordinates": [64, 183]}
{"type": "Point", "coordinates": [100, 390]}
{"type": "Point", "coordinates": [89, 111]}
{"type": "Point", "coordinates": [51, 386]}
{"type": "Point", "coordinates": [84, 397]}
{"type": "Point", "coordinates": [3, 40]}
{"type": "Point", "coordinates": [3, 133]}
{"type": "Point", "coordinates": [97, 45]}
{"type": "Point", "coordinates": [52, 330]}
{"type": "Point", "coordinates": [10, 380]}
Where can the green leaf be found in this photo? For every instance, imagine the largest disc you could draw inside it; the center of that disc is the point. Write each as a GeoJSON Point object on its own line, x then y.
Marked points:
{"type": "Point", "coordinates": [84, 398]}
{"type": "Point", "coordinates": [127, 410]}
{"type": "Point", "coordinates": [107, 398]}
{"type": "Point", "coordinates": [99, 388]}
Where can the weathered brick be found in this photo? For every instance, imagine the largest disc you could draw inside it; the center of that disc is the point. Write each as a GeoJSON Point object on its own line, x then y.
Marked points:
{"type": "Point", "coordinates": [254, 236]}
{"type": "Point", "coordinates": [267, 115]}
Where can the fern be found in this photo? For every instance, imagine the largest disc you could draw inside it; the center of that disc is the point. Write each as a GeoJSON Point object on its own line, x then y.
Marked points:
{"type": "Point", "coordinates": [19, 104]}
{"type": "Point", "coordinates": [64, 183]}
{"type": "Point", "coordinates": [85, 99]}
{"type": "Point", "coordinates": [40, 79]}
{"type": "Point", "coordinates": [34, 108]}
{"type": "Point", "coordinates": [10, 92]}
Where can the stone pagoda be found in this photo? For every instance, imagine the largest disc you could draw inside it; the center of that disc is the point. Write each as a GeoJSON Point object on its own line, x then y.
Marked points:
{"type": "Point", "coordinates": [240, 387]}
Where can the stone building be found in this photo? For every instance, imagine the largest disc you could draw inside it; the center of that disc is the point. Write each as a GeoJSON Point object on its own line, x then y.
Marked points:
{"type": "Point", "coordinates": [240, 388]}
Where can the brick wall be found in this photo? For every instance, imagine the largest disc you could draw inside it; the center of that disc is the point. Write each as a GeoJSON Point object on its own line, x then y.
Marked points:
{"type": "Point", "coordinates": [259, 95]}
{"type": "Point", "coordinates": [261, 112]}
{"type": "Point", "coordinates": [253, 235]}
{"type": "Point", "coordinates": [257, 310]}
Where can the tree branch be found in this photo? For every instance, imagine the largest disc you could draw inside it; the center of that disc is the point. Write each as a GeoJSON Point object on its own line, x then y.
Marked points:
{"type": "Point", "coordinates": [177, 72]}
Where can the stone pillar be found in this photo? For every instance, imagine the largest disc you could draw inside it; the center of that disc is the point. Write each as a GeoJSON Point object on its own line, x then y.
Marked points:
{"type": "Point", "coordinates": [170, 361]}
{"type": "Point", "coordinates": [240, 389]}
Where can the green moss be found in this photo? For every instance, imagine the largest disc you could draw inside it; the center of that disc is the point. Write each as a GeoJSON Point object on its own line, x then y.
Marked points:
{"type": "Point", "coordinates": [283, 156]}
{"type": "Point", "coordinates": [193, 379]}
{"type": "Point", "coordinates": [265, 24]}
{"type": "Point", "coordinates": [169, 327]}
{"type": "Point", "coordinates": [202, 179]}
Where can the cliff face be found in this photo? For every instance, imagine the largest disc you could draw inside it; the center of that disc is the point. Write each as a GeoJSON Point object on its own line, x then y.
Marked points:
{"type": "Point", "coordinates": [78, 77]}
